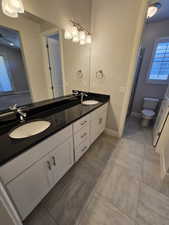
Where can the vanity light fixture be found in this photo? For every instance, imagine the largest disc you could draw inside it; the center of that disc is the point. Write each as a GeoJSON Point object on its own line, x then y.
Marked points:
{"type": "Point", "coordinates": [78, 34]}
{"type": "Point", "coordinates": [82, 42]}
{"type": "Point", "coordinates": [67, 35]}
{"type": "Point", "coordinates": [153, 9]}
{"type": "Point", "coordinates": [89, 39]}
{"type": "Point", "coordinates": [75, 31]}
{"type": "Point", "coordinates": [75, 39]}
{"type": "Point", "coordinates": [12, 8]}
{"type": "Point", "coordinates": [82, 35]}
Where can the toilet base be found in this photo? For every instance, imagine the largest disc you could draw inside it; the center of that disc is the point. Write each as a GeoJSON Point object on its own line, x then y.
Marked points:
{"type": "Point", "coordinates": [145, 122]}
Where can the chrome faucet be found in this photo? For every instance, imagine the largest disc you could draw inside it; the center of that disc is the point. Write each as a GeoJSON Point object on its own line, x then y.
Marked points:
{"type": "Point", "coordinates": [82, 94]}
{"type": "Point", "coordinates": [22, 115]}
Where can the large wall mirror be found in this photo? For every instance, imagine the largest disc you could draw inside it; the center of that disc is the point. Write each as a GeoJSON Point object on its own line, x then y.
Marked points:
{"type": "Point", "coordinates": [37, 64]}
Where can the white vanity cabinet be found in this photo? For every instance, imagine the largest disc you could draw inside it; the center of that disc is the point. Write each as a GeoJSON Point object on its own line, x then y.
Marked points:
{"type": "Point", "coordinates": [31, 175]}
{"type": "Point", "coordinates": [30, 187]}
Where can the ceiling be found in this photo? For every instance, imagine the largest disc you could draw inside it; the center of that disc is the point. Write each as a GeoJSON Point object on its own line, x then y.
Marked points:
{"type": "Point", "coordinates": [163, 13]}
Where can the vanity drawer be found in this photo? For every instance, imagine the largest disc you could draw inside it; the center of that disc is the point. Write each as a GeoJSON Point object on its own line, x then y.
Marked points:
{"type": "Point", "coordinates": [81, 135]}
{"type": "Point", "coordinates": [81, 123]}
{"type": "Point", "coordinates": [81, 149]}
{"type": "Point", "coordinates": [16, 166]}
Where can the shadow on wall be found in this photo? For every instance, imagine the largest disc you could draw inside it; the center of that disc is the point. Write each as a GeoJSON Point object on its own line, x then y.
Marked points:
{"type": "Point", "coordinates": [112, 120]}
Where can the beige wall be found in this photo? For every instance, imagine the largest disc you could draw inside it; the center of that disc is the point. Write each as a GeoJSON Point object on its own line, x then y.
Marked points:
{"type": "Point", "coordinates": [116, 28]}
{"type": "Point", "coordinates": [31, 41]}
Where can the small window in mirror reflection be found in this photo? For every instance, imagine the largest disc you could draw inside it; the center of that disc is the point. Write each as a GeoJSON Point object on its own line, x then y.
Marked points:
{"type": "Point", "coordinates": [5, 81]}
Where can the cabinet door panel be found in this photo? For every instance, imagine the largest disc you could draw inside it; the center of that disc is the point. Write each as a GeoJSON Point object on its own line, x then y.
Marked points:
{"type": "Point", "coordinates": [98, 122]}
{"type": "Point", "coordinates": [62, 159]}
{"type": "Point", "coordinates": [28, 189]}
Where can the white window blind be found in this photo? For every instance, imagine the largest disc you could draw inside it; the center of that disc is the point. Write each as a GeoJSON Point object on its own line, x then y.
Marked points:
{"type": "Point", "coordinates": [159, 70]}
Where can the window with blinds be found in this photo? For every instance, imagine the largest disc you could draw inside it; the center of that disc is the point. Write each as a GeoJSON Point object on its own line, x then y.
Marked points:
{"type": "Point", "coordinates": [159, 70]}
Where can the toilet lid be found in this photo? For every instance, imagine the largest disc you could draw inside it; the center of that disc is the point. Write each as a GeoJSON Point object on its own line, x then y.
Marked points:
{"type": "Point", "coordinates": [148, 112]}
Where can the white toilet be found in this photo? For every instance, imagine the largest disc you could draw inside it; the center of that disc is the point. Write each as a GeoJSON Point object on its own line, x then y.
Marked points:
{"type": "Point", "coordinates": [148, 112]}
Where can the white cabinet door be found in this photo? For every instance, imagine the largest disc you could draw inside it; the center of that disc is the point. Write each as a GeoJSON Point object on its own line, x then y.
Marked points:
{"type": "Point", "coordinates": [62, 159]}
{"type": "Point", "coordinates": [98, 122]}
{"type": "Point", "coordinates": [28, 189]}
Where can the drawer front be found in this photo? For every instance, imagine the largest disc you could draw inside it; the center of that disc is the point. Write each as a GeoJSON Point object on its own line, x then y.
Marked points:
{"type": "Point", "coordinates": [16, 166]}
{"type": "Point", "coordinates": [81, 149]}
{"type": "Point", "coordinates": [81, 135]}
{"type": "Point", "coordinates": [81, 123]}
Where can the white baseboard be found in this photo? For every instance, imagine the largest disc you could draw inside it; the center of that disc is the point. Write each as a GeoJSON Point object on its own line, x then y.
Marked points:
{"type": "Point", "coordinates": [111, 132]}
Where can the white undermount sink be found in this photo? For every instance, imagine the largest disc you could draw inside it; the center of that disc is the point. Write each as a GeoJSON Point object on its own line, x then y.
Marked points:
{"type": "Point", "coordinates": [90, 102]}
{"type": "Point", "coordinates": [29, 129]}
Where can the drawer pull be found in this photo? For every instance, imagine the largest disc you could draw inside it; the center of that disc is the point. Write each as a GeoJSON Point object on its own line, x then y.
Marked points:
{"type": "Point", "coordinates": [49, 165]}
{"type": "Point", "coordinates": [100, 120]}
{"type": "Point", "coordinates": [54, 160]}
{"type": "Point", "coordinates": [84, 135]}
{"type": "Point", "coordinates": [83, 123]}
{"type": "Point", "coordinates": [84, 149]}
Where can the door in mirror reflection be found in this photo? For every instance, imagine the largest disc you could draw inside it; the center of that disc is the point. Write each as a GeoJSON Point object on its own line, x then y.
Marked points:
{"type": "Point", "coordinates": [54, 62]}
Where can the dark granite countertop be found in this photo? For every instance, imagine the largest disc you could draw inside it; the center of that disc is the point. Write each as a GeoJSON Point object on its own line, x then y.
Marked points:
{"type": "Point", "coordinates": [60, 113]}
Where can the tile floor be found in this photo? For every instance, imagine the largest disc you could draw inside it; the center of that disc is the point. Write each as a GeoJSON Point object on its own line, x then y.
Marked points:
{"type": "Point", "coordinates": [117, 182]}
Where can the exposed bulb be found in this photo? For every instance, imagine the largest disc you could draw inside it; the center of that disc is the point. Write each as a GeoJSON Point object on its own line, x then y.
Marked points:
{"type": "Point", "coordinates": [82, 42]}
{"type": "Point", "coordinates": [82, 35]}
{"type": "Point", "coordinates": [8, 10]}
{"type": "Point", "coordinates": [75, 31]}
{"type": "Point", "coordinates": [89, 39]}
{"type": "Point", "coordinates": [75, 39]}
{"type": "Point", "coordinates": [153, 9]}
{"type": "Point", "coordinates": [17, 5]}
{"type": "Point", "coordinates": [67, 35]}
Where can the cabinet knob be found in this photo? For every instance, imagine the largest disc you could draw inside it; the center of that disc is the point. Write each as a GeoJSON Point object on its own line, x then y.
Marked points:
{"type": "Point", "coordinates": [100, 120]}
{"type": "Point", "coordinates": [49, 165]}
{"type": "Point", "coordinates": [82, 123]}
{"type": "Point", "coordinates": [54, 160]}
{"type": "Point", "coordinates": [84, 135]}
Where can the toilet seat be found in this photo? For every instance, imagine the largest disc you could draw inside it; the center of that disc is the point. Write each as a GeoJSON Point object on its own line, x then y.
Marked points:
{"type": "Point", "coordinates": [148, 114]}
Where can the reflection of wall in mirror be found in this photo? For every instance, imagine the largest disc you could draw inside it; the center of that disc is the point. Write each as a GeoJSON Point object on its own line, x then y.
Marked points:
{"type": "Point", "coordinates": [20, 90]}
{"type": "Point", "coordinates": [31, 42]}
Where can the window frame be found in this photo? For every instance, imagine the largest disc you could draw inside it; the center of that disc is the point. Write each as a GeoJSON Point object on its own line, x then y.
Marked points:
{"type": "Point", "coordinates": [148, 80]}
{"type": "Point", "coordinates": [3, 93]}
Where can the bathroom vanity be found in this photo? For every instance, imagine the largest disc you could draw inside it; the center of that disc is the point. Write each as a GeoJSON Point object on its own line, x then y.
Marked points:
{"type": "Point", "coordinates": [30, 167]}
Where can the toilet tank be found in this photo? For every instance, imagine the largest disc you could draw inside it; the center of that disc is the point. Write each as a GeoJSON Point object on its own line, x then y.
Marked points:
{"type": "Point", "coordinates": [150, 103]}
